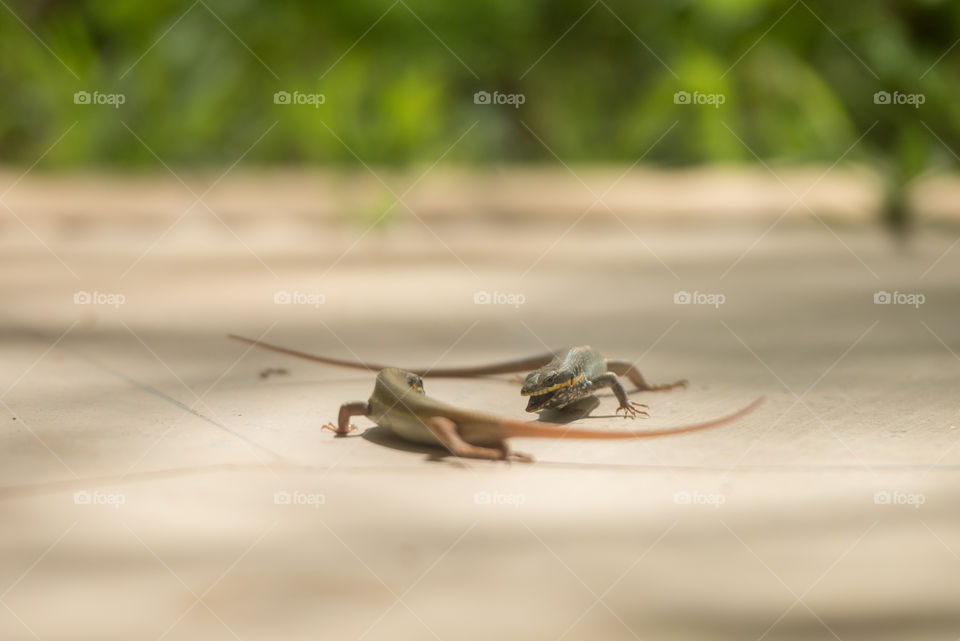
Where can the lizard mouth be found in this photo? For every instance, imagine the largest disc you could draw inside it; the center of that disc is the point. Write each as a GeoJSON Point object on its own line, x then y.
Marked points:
{"type": "Point", "coordinates": [539, 401]}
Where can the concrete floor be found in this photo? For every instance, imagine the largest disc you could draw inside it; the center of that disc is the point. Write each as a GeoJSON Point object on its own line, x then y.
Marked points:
{"type": "Point", "coordinates": [146, 465]}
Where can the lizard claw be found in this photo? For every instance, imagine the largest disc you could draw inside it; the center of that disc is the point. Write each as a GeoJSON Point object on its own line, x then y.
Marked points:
{"type": "Point", "coordinates": [630, 410]}
{"type": "Point", "coordinates": [336, 430]}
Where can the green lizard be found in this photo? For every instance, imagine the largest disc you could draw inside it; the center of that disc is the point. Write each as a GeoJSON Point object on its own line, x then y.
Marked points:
{"type": "Point", "coordinates": [558, 380]}
{"type": "Point", "coordinates": [399, 404]}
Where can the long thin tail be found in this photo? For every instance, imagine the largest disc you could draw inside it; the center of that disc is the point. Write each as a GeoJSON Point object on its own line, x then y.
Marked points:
{"type": "Point", "coordinates": [521, 429]}
{"type": "Point", "coordinates": [320, 359]}
{"type": "Point", "coordinates": [508, 367]}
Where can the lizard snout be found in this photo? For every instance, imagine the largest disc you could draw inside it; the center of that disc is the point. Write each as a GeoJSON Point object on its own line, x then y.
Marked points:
{"type": "Point", "coordinates": [539, 401]}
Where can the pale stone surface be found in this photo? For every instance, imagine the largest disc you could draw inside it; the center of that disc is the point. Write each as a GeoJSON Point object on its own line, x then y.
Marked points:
{"type": "Point", "coordinates": [782, 535]}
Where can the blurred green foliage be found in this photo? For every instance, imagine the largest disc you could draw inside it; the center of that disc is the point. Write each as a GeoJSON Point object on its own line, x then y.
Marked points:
{"type": "Point", "coordinates": [198, 78]}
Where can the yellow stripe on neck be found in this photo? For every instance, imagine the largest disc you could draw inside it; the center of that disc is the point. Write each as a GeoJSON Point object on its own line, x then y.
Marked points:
{"type": "Point", "coordinates": [552, 388]}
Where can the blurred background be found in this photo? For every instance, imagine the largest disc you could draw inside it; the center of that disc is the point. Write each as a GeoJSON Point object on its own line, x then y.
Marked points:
{"type": "Point", "coordinates": [760, 197]}
{"type": "Point", "coordinates": [798, 82]}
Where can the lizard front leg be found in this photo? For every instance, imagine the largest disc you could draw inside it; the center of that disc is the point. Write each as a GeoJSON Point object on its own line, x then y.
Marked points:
{"type": "Point", "coordinates": [626, 368]}
{"type": "Point", "coordinates": [629, 408]}
{"type": "Point", "coordinates": [348, 410]}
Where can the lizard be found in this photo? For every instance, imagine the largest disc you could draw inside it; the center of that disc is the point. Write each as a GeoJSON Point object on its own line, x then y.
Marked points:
{"type": "Point", "coordinates": [558, 379]}
{"type": "Point", "coordinates": [400, 405]}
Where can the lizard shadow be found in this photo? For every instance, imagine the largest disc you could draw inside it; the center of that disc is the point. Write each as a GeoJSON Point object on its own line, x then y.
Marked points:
{"type": "Point", "coordinates": [385, 438]}
{"type": "Point", "coordinates": [432, 453]}
{"type": "Point", "coordinates": [570, 413]}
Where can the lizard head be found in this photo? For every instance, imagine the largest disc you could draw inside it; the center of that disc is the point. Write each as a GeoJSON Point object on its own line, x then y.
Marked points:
{"type": "Point", "coordinates": [397, 381]}
{"type": "Point", "coordinates": [546, 388]}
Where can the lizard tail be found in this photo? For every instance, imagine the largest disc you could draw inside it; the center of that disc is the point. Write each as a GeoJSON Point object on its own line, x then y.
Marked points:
{"type": "Point", "coordinates": [522, 429]}
{"type": "Point", "coordinates": [519, 365]}
{"type": "Point", "coordinates": [310, 357]}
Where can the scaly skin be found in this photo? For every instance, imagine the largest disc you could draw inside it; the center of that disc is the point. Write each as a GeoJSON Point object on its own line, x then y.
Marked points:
{"type": "Point", "coordinates": [399, 404]}
{"type": "Point", "coordinates": [558, 380]}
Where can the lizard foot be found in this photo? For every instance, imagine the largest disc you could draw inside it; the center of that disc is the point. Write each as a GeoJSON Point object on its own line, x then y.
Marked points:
{"type": "Point", "coordinates": [630, 410]}
{"type": "Point", "coordinates": [336, 430]}
{"type": "Point", "coordinates": [519, 457]}
{"type": "Point", "coordinates": [510, 456]}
